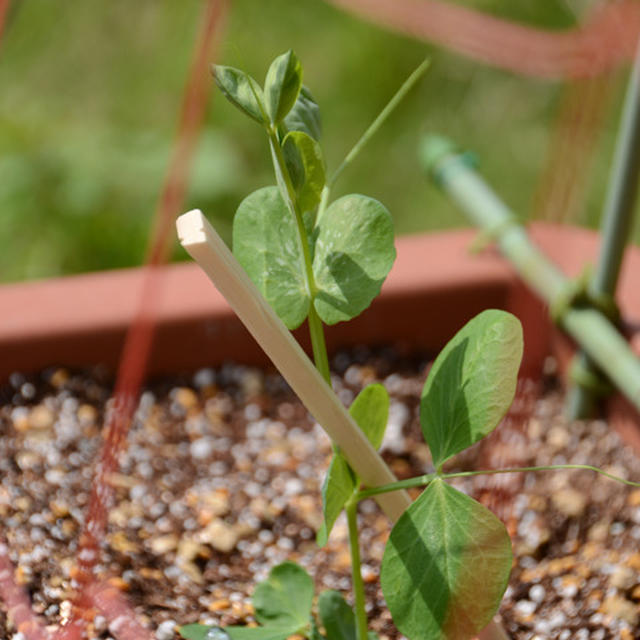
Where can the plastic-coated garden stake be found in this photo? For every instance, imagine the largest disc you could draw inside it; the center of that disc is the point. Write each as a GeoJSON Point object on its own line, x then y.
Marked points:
{"type": "Point", "coordinates": [617, 217]}
{"type": "Point", "coordinates": [593, 331]}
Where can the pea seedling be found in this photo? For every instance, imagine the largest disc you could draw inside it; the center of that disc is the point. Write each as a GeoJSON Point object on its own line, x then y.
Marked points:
{"type": "Point", "coordinates": [448, 558]}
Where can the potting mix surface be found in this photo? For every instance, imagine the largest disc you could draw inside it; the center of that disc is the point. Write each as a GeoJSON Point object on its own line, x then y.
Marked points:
{"type": "Point", "coordinates": [221, 481]}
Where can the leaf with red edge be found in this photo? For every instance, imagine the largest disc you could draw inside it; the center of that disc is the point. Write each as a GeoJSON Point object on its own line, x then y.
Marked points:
{"type": "Point", "coordinates": [446, 566]}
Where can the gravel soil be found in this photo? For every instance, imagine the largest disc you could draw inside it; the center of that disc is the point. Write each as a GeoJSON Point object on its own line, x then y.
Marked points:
{"type": "Point", "coordinates": [221, 481]}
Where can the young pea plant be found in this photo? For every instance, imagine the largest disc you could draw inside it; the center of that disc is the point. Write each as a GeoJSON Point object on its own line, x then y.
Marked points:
{"type": "Point", "coordinates": [311, 259]}
{"type": "Point", "coordinates": [447, 561]}
{"type": "Point", "coordinates": [448, 558]}
{"type": "Point", "coordinates": [283, 605]}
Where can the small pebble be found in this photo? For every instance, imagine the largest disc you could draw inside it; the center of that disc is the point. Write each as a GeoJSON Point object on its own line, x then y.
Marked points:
{"type": "Point", "coordinates": [166, 630]}
{"type": "Point", "coordinates": [558, 438]}
{"type": "Point", "coordinates": [570, 502]}
{"type": "Point", "coordinates": [41, 417]}
{"type": "Point", "coordinates": [622, 578]}
{"type": "Point", "coordinates": [537, 593]}
{"type": "Point", "coordinates": [186, 398]}
{"type": "Point", "coordinates": [620, 609]}
{"type": "Point", "coordinates": [219, 535]}
{"type": "Point", "coordinates": [204, 378]}
{"type": "Point", "coordinates": [201, 448]}
{"type": "Point", "coordinates": [525, 607]}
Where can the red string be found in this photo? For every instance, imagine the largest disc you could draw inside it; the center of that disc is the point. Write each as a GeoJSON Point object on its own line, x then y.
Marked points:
{"type": "Point", "coordinates": [139, 337]}
{"type": "Point", "coordinates": [562, 189]}
{"type": "Point", "coordinates": [607, 39]}
{"type": "Point", "coordinates": [4, 10]}
{"type": "Point", "coordinates": [17, 601]}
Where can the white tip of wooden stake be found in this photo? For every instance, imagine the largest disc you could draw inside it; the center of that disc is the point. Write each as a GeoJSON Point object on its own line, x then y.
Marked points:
{"type": "Point", "coordinates": [192, 227]}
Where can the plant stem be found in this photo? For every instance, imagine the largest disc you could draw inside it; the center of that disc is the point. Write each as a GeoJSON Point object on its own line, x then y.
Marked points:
{"type": "Point", "coordinates": [318, 344]}
{"type": "Point", "coordinates": [207, 248]}
{"type": "Point", "coordinates": [421, 481]}
{"type": "Point", "coordinates": [551, 467]}
{"type": "Point", "coordinates": [289, 195]}
{"type": "Point", "coordinates": [351, 509]}
{"type": "Point", "coordinates": [316, 330]}
{"type": "Point", "coordinates": [418, 481]}
{"type": "Point", "coordinates": [407, 85]}
{"type": "Point", "coordinates": [324, 201]}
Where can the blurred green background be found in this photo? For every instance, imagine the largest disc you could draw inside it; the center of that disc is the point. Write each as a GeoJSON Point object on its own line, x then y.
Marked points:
{"type": "Point", "coordinates": [90, 93]}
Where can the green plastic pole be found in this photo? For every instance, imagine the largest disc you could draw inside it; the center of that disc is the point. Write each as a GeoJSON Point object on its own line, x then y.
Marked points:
{"type": "Point", "coordinates": [617, 217]}
{"type": "Point", "coordinates": [592, 330]}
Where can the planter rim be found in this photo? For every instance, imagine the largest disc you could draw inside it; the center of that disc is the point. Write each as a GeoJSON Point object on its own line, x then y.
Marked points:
{"type": "Point", "coordinates": [82, 319]}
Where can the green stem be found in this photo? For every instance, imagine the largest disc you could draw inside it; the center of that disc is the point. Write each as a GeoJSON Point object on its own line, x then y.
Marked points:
{"type": "Point", "coordinates": [550, 467]}
{"type": "Point", "coordinates": [318, 344]}
{"type": "Point", "coordinates": [324, 201]}
{"type": "Point", "coordinates": [351, 509]}
{"type": "Point", "coordinates": [421, 481]}
{"type": "Point", "coordinates": [407, 85]}
{"type": "Point", "coordinates": [409, 483]}
{"type": "Point", "coordinates": [316, 331]}
{"type": "Point", "coordinates": [289, 195]}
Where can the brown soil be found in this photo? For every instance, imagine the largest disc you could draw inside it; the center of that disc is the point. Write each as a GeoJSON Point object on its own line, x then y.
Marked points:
{"type": "Point", "coordinates": [221, 481]}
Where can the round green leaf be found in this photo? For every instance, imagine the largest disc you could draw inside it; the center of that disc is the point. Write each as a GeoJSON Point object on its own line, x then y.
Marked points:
{"type": "Point", "coordinates": [336, 616]}
{"type": "Point", "coordinates": [200, 631]}
{"type": "Point", "coordinates": [258, 633]}
{"type": "Point", "coordinates": [303, 157]}
{"type": "Point", "coordinates": [471, 384]}
{"type": "Point", "coordinates": [446, 566]}
{"type": "Point", "coordinates": [284, 599]}
{"type": "Point", "coordinates": [338, 486]}
{"type": "Point", "coordinates": [353, 254]}
{"type": "Point", "coordinates": [282, 85]}
{"type": "Point", "coordinates": [266, 244]}
{"type": "Point", "coordinates": [241, 90]}
{"type": "Point", "coordinates": [304, 116]}
{"type": "Point", "coordinates": [370, 410]}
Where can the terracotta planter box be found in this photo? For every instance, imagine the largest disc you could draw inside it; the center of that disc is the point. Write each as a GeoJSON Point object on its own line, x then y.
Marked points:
{"type": "Point", "coordinates": [434, 287]}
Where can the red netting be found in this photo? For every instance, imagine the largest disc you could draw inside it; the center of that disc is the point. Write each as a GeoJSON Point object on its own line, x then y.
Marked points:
{"type": "Point", "coordinates": [131, 372]}
{"type": "Point", "coordinates": [607, 39]}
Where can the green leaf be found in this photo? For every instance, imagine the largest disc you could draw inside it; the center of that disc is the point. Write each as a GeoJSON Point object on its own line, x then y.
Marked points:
{"type": "Point", "coordinates": [284, 599]}
{"type": "Point", "coordinates": [446, 566]}
{"type": "Point", "coordinates": [303, 157]}
{"type": "Point", "coordinates": [339, 485]}
{"type": "Point", "coordinates": [304, 116]}
{"type": "Point", "coordinates": [269, 632]}
{"type": "Point", "coordinates": [370, 410]}
{"type": "Point", "coordinates": [282, 85]}
{"type": "Point", "coordinates": [471, 384]}
{"type": "Point", "coordinates": [241, 90]}
{"type": "Point", "coordinates": [198, 631]}
{"type": "Point", "coordinates": [265, 242]}
{"type": "Point", "coordinates": [336, 616]}
{"type": "Point", "coordinates": [315, 632]}
{"type": "Point", "coordinates": [353, 254]}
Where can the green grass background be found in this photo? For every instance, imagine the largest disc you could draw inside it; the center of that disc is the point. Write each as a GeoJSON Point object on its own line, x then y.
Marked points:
{"type": "Point", "coordinates": [90, 92]}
